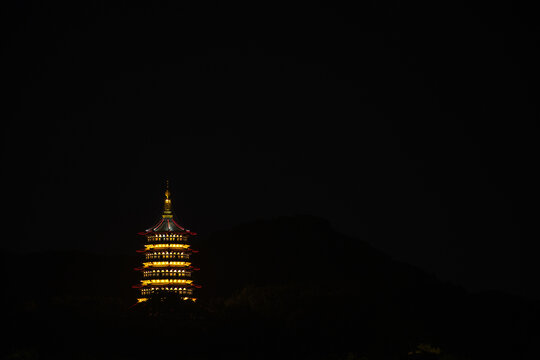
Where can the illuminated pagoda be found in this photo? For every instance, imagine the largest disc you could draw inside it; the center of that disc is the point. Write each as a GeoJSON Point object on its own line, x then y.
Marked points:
{"type": "Point", "coordinates": [166, 270]}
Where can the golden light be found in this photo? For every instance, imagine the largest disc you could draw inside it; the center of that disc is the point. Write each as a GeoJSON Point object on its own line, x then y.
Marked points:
{"type": "Point", "coordinates": [166, 281]}
{"type": "Point", "coordinates": [166, 263]}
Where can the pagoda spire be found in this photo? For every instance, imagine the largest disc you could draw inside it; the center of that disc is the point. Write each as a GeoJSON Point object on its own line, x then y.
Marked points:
{"type": "Point", "coordinates": [167, 208]}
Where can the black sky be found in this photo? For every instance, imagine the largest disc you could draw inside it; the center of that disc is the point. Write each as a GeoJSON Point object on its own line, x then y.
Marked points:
{"type": "Point", "coordinates": [412, 128]}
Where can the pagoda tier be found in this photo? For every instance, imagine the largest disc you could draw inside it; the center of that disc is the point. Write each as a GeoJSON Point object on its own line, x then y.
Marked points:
{"type": "Point", "coordinates": [151, 291]}
{"type": "Point", "coordinates": [165, 285]}
{"type": "Point", "coordinates": [158, 279]}
{"type": "Point", "coordinates": [167, 247]}
{"type": "Point", "coordinates": [167, 268]}
{"type": "Point", "coordinates": [178, 268]}
{"type": "Point", "coordinates": [166, 264]}
{"type": "Point", "coordinates": [167, 255]}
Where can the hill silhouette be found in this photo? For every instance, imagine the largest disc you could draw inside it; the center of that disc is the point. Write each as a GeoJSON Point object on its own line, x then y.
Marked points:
{"type": "Point", "coordinates": [299, 271]}
{"type": "Point", "coordinates": [300, 250]}
{"type": "Point", "coordinates": [284, 287]}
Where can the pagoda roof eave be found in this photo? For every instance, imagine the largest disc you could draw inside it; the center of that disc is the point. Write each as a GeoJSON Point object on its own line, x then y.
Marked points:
{"type": "Point", "coordinates": [185, 250]}
{"type": "Point", "coordinates": [140, 286]}
{"type": "Point", "coordinates": [167, 226]}
{"type": "Point", "coordinates": [189, 267]}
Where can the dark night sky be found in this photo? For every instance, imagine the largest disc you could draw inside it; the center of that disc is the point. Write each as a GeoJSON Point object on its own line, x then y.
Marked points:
{"type": "Point", "coordinates": [409, 126]}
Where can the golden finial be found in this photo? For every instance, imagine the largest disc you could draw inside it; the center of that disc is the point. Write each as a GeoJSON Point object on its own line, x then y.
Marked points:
{"type": "Point", "coordinates": [167, 209]}
{"type": "Point", "coordinates": [167, 192]}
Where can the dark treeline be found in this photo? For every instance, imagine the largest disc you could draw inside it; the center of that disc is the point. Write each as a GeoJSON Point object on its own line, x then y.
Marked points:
{"type": "Point", "coordinates": [288, 287]}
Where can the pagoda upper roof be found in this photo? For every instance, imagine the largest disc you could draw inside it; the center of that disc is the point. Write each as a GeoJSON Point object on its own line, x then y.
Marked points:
{"type": "Point", "coordinates": [167, 225]}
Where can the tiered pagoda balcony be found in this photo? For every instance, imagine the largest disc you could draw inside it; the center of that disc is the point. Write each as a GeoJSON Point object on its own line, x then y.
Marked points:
{"type": "Point", "coordinates": [164, 264]}
{"type": "Point", "coordinates": [166, 238]}
{"type": "Point", "coordinates": [164, 290]}
{"type": "Point", "coordinates": [166, 282]}
{"type": "Point", "coordinates": [166, 273]}
{"type": "Point", "coordinates": [167, 255]}
{"type": "Point", "coordinates": [167, 247]}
